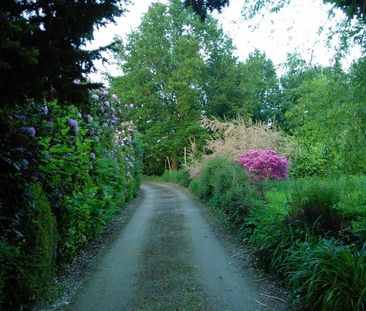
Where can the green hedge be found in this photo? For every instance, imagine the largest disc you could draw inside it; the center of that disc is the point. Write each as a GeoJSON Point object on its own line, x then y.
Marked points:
{"type": "Point", "coordinates": [31, 263]}
{"type": "Point", "coordinates": [72, 178]}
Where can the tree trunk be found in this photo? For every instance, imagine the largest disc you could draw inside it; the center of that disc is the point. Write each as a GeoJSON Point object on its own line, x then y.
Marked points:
{"type": "Point", "coordinates": [174, 164]}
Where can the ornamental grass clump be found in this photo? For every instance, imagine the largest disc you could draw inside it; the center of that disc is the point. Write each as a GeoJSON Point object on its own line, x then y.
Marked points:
{"type": "Point", "coordinates": [231, 139]}
{"type": "Point", "coordinates": [264, 164]}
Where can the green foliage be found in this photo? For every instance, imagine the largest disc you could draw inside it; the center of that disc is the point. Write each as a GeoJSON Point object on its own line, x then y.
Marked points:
{"type": "Point", "coordinates": [327, 276]}
{"type": "Point", "coordinates": [260, 89]}
{"type": "Point", "coordinates": [269, 244]}
{"type": "Point", "coordinates": [33, 266]}
{"type": "Point", "coordinates": [313, 208]}
{"type": "Point", "coordinates": [309, 161]}
{"type": "Point", "coordinates": [35, 62]}
{"type": "Point", "coordinates": [225, 186]}
{"type": "Point", "coordinates": [87, 191]}
{"type": "Point", "coordinates": [162, 69]}
{"type": "Point", "coordinates": [321, 274]}
{"type": "Point", "coordinates": [310, 232]}
{"type": "Point", "coordinates": [88, 167]}
{"type": "Point", "coordinates": [180, 177]}
{"type": "Point", "coordinates": [43, 159]}
{"type": "Point", "coordinates": [180, 70]}
{"type": "Point", "coordinates": [324, 114]}
{"type": "Point", "coordinates": [8, 258]}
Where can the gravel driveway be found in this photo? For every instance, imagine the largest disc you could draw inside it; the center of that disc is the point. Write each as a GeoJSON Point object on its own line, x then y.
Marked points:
{"type": "Point", "coordinates": [168, 257]}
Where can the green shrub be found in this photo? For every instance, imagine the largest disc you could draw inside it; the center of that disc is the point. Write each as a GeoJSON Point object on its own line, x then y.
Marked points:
{"type": "Point", "coordinates": [327, 277]}
{"type": "Point", "coordinates": [226, 187]}
{"type": "Point", "coordinates": [353, 207]}
{"type": "Point", "coordinates": [313, 208]}
{"type": "Point", "coordinates": [8, 259]}
{"type": "Point", "coordinates": [307, 163]}
{"type": "Point", "coordinates": [35, 265]}
{"type": "Point", "coordinates": [267, 233]}
{"type": "Point", "coordinates": [180, 177]}
{"type": "Point", "coordinates": [88, 163]}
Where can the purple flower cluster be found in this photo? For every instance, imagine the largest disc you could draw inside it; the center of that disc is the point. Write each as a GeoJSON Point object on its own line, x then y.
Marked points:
{"type": "Point", "coordinates": [264, 164]}
{"type": "Point", "coordinates": [89, 118]}
{"type": "Point", "coordinates": [31, 131]}
{"type": "Point", "coordinates": [44, 109]}
{"type": "Point", "coordinates": [73, 124]}
{"type": "Point", "coordinates": [113, 119]}
{"type": "Point", "coordinates": [115, 97]}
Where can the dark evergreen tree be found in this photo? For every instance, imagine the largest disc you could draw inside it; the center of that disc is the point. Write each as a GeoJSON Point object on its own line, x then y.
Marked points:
{"type": "Point", "coordinates": [42, 51]}
{"type": "Point", "coordinates": [202, 6]}
{"type": "Point", "coordinates": [42, 57]}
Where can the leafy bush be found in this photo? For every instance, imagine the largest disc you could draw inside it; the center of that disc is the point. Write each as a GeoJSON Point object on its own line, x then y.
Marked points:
{"type": "Point", "coordinates": [227, 189]}
{"type": "Point", "coordinates": [33, 266]}
{"type": "Point", "coordinates": [8, 258]}
{"type": "Point", "coordinates": [269, 244]}
{"type": "Point", "coordinates": [289, 232]}
{"type": "Point", "coordinates": [264, 164]}
{"type": "Point", "coordinates": [321, 274]}
{"type": "Point", "coordinates": [309, 161]}
{"type": "Point", "coordinates": [313, 208]}
{"type": "Point", "coordinates": [180, 177]}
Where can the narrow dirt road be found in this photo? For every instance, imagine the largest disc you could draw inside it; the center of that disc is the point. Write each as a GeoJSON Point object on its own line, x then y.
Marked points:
{"type": "Point", "coordinates": [168, 258]}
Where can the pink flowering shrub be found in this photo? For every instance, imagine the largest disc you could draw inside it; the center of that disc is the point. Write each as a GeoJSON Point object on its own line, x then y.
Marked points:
{"type": "Point", "coordinates": [264, 164]}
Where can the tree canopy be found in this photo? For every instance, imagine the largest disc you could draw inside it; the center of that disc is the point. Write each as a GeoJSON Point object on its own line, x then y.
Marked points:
{"type": "Point", "coordinates": [42, 47]}
{"type": "Point", "coordinates": [202, 6]}
{"type": "Point", "coordinates": [353, 8]}
{"type": "Point", "coordinates": [179, 69]}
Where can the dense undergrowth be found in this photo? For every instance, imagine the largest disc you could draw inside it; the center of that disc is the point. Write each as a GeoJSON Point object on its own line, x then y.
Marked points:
{"type": "Point", "coordinates": [77, 172]}
{"type": "Point", "coordinates": [310, 232]}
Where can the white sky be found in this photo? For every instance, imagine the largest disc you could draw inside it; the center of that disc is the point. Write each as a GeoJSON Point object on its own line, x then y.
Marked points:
{"type": "Point", "coordinates": [295, 28]}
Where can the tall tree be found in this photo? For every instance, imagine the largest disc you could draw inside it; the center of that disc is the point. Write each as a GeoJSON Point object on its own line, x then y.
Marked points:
{"type": "Point", "coordinates": [327, 120]}
{"type": "Point", "coordinates": [260, 88]}
{"type": "Point", "coordinates": [166, 64]}
{"type": "Point", "coordinates": [222, 94]}
{"type": "Point", "coordinates": [296, 72]}
{"type": "Point", "coordinates": [162, 68]}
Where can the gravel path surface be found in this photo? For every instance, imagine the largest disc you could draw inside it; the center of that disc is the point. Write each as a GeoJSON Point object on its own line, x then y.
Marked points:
{"type": "Point", "coordinates": [168, 256]}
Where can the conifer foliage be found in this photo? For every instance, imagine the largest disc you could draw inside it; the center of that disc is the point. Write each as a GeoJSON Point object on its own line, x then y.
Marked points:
{"type": "Point", "coordinates": [41, 47]}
